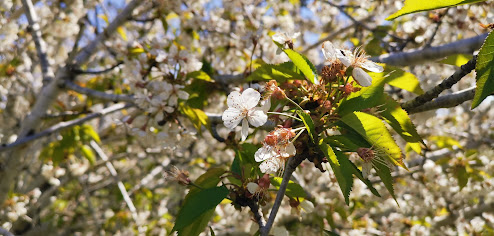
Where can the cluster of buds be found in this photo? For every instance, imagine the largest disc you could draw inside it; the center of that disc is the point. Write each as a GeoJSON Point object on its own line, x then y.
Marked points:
{"type": "Point", "coordinates": [272, 90]}
{"type": "Point", "coordinates": [259, 188]}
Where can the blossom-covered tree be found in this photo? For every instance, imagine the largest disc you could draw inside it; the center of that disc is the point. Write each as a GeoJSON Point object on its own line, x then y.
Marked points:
{"type": "Point", "coordinates": [246, 117]}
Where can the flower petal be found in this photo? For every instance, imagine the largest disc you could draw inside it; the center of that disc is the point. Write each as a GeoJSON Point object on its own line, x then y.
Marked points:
{"type": "Point", "coordinates": [279, 38]}
{"type": "Point", "coordinates": [266, 105]}
{"type": "Point", "coordinates": [366, 169]}
{"type": "Point", "coordinates": [245, 129]}
{"type": "Point", "coordinates": [263, 153]}
{"type": "Point", "coordinates": [257, 117]}
{"type": "Point", "coordinates": [345, 56]}
{"type": "Point", "coordinates": [250, 98]}
{"type": "Point", "coordinates": [371, 66]}
{"type": "Point", "coordinates": [328, 51]}
{"type": "Point", "coordinates": [361, 77]}
{"type": "Point", "coordinates": [232, 117]}
{"type": "Point", "coordinates": [270, 166]}
{"type": "Point", "coordinates": [234, 100]}
{"type": "Point", "coordinates": [290, 149]}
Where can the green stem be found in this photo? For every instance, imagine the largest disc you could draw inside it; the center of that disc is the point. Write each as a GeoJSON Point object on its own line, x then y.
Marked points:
{"type": "Point", "coordinates": [294, 103]}
{"type": "Point", "coordinates": [283, 114]}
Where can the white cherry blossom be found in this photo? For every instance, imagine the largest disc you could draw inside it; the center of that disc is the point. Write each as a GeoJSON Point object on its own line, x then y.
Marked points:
{"type": "Point", "coordinates": [356, 59]}
{"type": "Point", "coordinates": [243, 106]}
{"type": "Point", "coordinates": [276, 149]}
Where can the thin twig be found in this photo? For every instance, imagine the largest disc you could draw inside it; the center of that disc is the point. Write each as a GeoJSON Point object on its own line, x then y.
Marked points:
{"type": "Point", "coordinates": [290, 168]}
{"type": "Point", "coordinates": [446, 84]}
{"type": "Point", "coordinates": [40, 44]}
{"type": "Point", "coordinates": [114, 173]}
{"type": "Point", "coordinates": [258, 217]}
{"type": "Point", "coordinates": [446, 101]}
{"type": "Point", "coordinates": [438, 24]}
{"type": "Point", "coordinates": [97, 72]}
{"type": "Point", "coordinates": [411, 57]}
{"type": "Point", "coordinates": [98, 94]}
{"type": "Point", "coordinates": [63, 125]}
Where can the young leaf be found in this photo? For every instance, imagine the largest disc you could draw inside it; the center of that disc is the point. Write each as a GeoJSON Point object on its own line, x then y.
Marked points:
{"type": "Point", "coordinates": [304, 65]}
{"type": "Point", "coordinates": [309, 124]}
{"type": "Point", "coordinates": [196, 116]}
{"type": "Point", "coordinates": [201, 75]}
{"type": "Point", "coordinates": [384, 173]}
{"type": "Point", "coordinates": [279, 72]}
{"type": "Point", "coordinates": [88, 154]}
{"type": "Point", "coordinates": [460, 172]}
{"type": "Point", "coordinates": [375, 132]}
{"type": "Point", "coordinates": [293, 189]}
{"type": "Point", "coordinates": [485, 71]}
{"type": "Point", "coordinates": [412, 6]}
{"type": "Point", "coordinates": [399, 120]}
{"type": "Point", "coordinates": [197, 204]}
{"type": "Point", "coordinates": [457, 59]}
{"type": "Point", "coordinates": [343, 173]}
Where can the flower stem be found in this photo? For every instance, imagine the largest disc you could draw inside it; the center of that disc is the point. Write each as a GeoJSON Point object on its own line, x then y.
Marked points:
{"type": "Point", "coordinates": [283, 114]}
{"type": "Point", "coordinates": [294, 103]}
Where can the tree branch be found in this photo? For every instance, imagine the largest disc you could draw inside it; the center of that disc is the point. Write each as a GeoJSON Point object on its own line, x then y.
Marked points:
{"type": "Point", "coordinates": [64, 125]}
{"type": "Point", "coordinates": [465, 46]}
{"type": "Point", "coordinates": [97, 94]}
{"type": "Point", "coordinates": [97, 72]}
{"type": "Point", "coordinates": [290, 168]}
{"type": "Point", "coordinates": [40, 44]}
{"type": "Point", "coordinates": [114, 173]}
{"type": "Point", "coordinates": [446, 101]}
{"type": "Point", "coordinates": [446, 84]}
{"type": "Point", "coordinates": [254, 208]}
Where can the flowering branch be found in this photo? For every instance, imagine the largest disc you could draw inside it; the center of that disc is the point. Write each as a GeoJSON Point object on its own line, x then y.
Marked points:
{"type": "Point", "coordinates": [114, 173]}
{"type": "Point", "coordinates": [290, 168]}
{"type": "Point", "coordinates": [64, 125]}
{"type": "Point", "coordinates": [465, 46]}
{"type": "Point", "coordinates": [446, 84]}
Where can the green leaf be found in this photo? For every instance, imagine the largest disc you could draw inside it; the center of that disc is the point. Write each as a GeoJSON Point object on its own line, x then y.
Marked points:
{"type": "Point", "coordinates": [87, 130]}
{"type": "Point", "coordinates": [309, 124]}
{"type": "Point", "coordinates": [279, 72]}
{"type": "Point", "coordinates": [445, 142]}
{"type": "Point", "coordinates": [304, 65]}
{"type": "Point", "coordinates": [211, 231]}
{"type": "Point", "coordinates": [485, 71]}
{"type": "Point", "coordinates": [367, 97]}
{"type": "Point", "coordinates": [399, 120]}
{"type": "Point", "coordinates": [374, 131]}
{"type": "Point", "coordinates": [397, 77]}
{"type": "Point", "coordinates": [293, 189]}
{"type": "Point", "coordinates": [384, 173]}
{"type": "Point", "coordinates": [196, 116]}
{"type": "Point", "coordinates": [330, 233]}
{"type": "Point", "coordinates": [343, 173]}
{"type": "Point", "coordinates": [412, 6]}
{"type": "Point", "coordinates": [198, 204]}
{"type": "Point", "coordinates": [201, 75]}
{"type": "Point", "coordinates": [328, 152]}
{"type": "Point", "coordinates": [207, 180]}
{"type": "Point", "coordinates": [359, 175]}
{"type": "Point", "coordinates": [349, 142]}
{"type": "Point", "coordinates": [457, 59]}
{"type": "Point", "coordinates": [198, 225]}
{"type": "Point", "coordinates": [88, 153]}
{"type": "Point", "coordinates": [460, 172]}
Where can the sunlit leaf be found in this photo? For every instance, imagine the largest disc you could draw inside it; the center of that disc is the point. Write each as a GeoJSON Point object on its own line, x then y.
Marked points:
{"type": "Point", "coordinates": [399, 120]}
{"type": "Point", "coordinates": [328, 152]}
{"type": "Point", "coordinates": [196, 116]}
{"type": "Point", "coordinates": [293, 189]}
{"type": "Point", "coordinates": [304, 65]}
{"type": "Point", "coordinates": [412, 6]}
{"type": "Point", "coordinates": [374, 131]}
{"type": "Point", "coordinates": [199, 75]}
{"type": "Point", "coordinates": [309, 124]}
{"type": "Point", "coordinates": [485, 71]}
{"type": "Point", "coordinates": [279, 72]}
{"type": "Point", "coordinates": [88, 153]}
{"type": "Point", "coordinates": [457, 59]}
{"type": "Point", "coordinates": [445, 142]}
